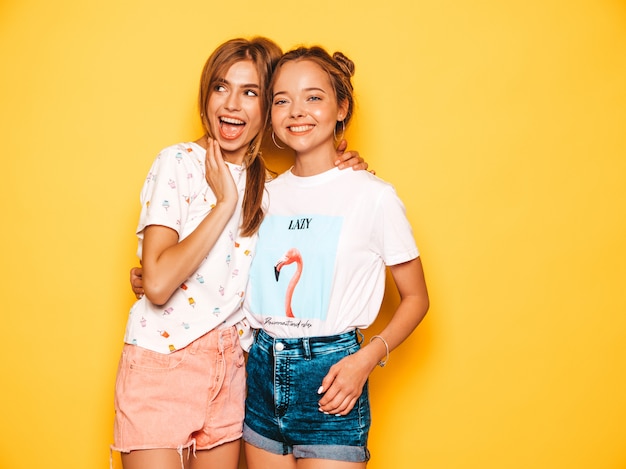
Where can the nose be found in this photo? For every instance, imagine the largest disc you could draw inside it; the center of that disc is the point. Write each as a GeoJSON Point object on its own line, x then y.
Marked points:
{"type": "Point", "coordinates": [296, 109]}
{"type": "Point", "coordinates": [233, 102]}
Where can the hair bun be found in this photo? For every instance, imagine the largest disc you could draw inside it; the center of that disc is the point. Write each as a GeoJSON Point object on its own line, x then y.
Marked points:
{"type": "Point", "coordinates": [346, 65]}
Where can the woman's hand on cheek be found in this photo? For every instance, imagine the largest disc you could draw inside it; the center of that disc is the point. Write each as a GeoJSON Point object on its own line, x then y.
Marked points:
{"type": "Point", "coordinates": [218, 176]}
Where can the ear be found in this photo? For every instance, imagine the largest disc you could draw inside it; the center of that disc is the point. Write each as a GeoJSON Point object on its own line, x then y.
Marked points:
{"type": "Point", "coordinates": [342, 112]}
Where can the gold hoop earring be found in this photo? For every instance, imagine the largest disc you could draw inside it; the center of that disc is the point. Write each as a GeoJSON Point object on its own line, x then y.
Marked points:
{"type": "Point", "coordinates": [343, 131]}
{"type": "Point", "coordinates": [274, 140]}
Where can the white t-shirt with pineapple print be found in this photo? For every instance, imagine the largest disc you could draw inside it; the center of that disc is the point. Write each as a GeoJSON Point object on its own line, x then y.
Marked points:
{"type": "Point", "coordinates": [176, 194]}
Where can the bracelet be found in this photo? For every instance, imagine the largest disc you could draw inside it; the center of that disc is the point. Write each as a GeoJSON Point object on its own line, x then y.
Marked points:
{"type": "Point", "coordinates": [382, 362]}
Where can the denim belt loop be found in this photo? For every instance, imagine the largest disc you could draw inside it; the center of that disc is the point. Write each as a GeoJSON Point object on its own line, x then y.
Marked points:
{"type": "Point", "coordinates": [307, 348]}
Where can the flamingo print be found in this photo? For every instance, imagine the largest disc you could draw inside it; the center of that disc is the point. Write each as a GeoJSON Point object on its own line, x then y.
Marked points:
{"type": "Point", "coordinates": [291, 256]}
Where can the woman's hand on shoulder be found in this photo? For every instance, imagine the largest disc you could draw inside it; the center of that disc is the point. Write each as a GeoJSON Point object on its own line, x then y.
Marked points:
{"type": "Point", "coordinates": [350, 158]}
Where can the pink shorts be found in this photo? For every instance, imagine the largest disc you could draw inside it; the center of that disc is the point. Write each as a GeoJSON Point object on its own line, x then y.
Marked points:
{"type": "Point", "coordinates": [192, 396]}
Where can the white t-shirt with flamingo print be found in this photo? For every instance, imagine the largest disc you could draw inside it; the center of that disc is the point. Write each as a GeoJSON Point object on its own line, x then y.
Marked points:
{"type": "Point", "coordinates": [176, 195]}
{"type": "Point", "coordinates": [319, 266]}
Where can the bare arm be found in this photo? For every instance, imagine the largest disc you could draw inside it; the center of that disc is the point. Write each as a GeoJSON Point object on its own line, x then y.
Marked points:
{"type": "Point", "coordinates": [168, 262]}
{"type": "Point", "coordinates": [345, 380]}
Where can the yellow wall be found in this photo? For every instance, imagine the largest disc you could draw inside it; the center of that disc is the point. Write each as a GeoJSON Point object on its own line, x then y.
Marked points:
{"type": "Point", "coordinates": [502, 125]}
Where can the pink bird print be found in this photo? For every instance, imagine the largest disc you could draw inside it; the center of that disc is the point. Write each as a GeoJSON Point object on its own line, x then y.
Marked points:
{"type": "Point", "coordinates": [291, 256]}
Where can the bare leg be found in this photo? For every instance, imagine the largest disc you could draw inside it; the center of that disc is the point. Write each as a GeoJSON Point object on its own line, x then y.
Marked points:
{"type": "Point", "coordinates": [224, 456]}
{"type": "Point", "coordinates": [258, 458]}
{"type": "Point", "coordinates": [155, 459]}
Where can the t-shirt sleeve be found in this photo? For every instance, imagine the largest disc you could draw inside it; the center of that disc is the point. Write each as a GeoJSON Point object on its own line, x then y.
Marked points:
{"type": "Point", "coordinates": [393, 235]}
{"type": "Point", "coordinates": [167, 190]}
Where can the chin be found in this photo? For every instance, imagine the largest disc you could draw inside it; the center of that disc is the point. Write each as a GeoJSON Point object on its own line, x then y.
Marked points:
{"type": "Point", "coordinates": [232, 145]}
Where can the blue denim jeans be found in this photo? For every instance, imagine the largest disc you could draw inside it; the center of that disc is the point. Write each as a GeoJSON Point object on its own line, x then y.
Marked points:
{"type": "Point", "coordinates": [282, 413]}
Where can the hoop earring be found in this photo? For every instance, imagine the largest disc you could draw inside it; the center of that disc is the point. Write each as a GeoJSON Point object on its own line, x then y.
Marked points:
{"type": "Point", "coordinates": [343, 131]}
{"type": "Point", "coordinates": [274, 140]}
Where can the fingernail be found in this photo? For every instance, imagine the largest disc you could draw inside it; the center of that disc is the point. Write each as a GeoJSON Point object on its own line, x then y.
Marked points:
{"type": "Point", "coordinates": [320, 390]}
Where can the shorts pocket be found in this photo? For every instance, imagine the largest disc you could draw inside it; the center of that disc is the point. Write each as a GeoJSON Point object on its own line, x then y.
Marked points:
{"type": "Point", "coordinates": [140, 359]}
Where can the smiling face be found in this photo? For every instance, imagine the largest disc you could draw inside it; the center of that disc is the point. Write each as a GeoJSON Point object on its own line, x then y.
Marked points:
{"type": "Point", "coordinates": [234, 110]}
{"type": "Point", "coordinates": [305, 109]}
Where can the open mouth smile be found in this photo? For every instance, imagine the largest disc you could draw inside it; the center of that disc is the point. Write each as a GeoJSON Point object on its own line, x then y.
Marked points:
{"type": "Point", "coordinates": [230, 127]}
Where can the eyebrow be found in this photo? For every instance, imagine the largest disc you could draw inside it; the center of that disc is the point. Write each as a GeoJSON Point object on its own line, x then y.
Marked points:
{"type": "Point", "coordinates": [305, 89]}
{"type": "Point", "coordinates": [245, 85]}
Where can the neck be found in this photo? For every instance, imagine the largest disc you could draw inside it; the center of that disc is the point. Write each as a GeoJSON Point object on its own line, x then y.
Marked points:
{"type": "Point", "coordinates": [234, 158]}
{"type": "Point", "coordinates": [312, 163]}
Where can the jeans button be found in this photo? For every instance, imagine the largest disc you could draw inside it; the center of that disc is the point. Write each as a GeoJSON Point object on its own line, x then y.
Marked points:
{"type": "Point", "coordinates": [280, 347]}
